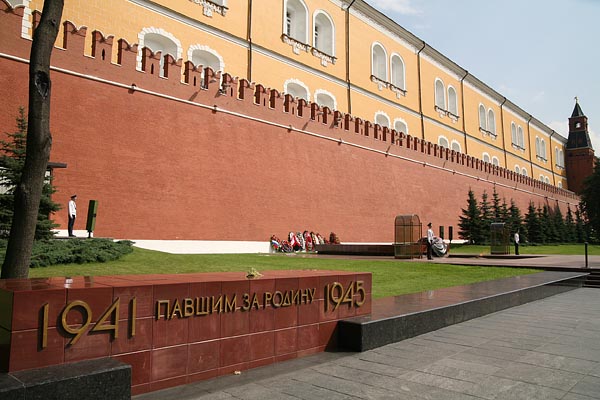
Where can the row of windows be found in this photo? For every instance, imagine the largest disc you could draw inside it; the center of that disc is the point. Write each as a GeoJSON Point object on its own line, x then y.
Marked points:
{"type": "Point", "coordinates": [295, 26]}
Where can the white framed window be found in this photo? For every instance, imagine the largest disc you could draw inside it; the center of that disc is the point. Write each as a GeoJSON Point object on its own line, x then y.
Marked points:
{"type": "Point", "coordinates": [379, 62]}
{"type": "Point", "coordinates": [158, 40]}
{"type": "Point", "coordinates": [297, 89]}
{"type": "Point", "coordinates": [443, 141]}
{"type": "Point", "coordinates": [559, 184]}
{"type": "Point", "coordinates": [455, 146]}
{"type": "Point", "coordinates": [491, 121]}
{"type": "Point", "coordinates": [323, 33]}
{"type": "Point", "coordinates": [520, 137]}
{"type": "Point", "coordinates": [206, 57]}
{"type": "Point", "coordinates": [517, 169]}
{"type": "Point", "coordinates": [400, 126]}
{"type": "Point", "coordinates": [486, 157]}
{"type": "Point", "coordinates": [452, 101]}
{"type": "Point", "coordinates": [524, 171]}
{"type": "Point", "coordinates": [547, 180]}
{"type": "Point", "coordinates": [295, 20]}
{"type": "Point", "coordinates": [513, 134]}
{"type": "Point", "coordinates": [541, 177]}
{"type": "Point", "coordinates": [324, 98]}
{"type": "Point", "coordinates": [440, 94]}
{"type": "Point", "coordinates": [398, 72]}
{"type": "Point", "coordinates": [482, 118]}
{"type": "Point", "coordinates": [543, 149]}
{"type": "Point", "coordinates": [382, 119]}
{"type": "Point", "coordinates": [495, 161]}
{"type": "Point", "coordinates": [537, 147]}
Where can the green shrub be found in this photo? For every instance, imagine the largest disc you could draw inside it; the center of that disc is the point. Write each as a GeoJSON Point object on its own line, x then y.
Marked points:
{"type": "Point", "coordinates": [55, 251]}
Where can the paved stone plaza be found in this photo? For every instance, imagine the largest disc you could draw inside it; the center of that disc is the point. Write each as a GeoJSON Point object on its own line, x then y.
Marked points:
{"type": "Point", "coordinates": [547, 349]}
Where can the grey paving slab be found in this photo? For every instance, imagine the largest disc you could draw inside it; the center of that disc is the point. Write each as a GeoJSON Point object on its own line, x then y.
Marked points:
{"type": "Point", "coordinates": [546, 349]}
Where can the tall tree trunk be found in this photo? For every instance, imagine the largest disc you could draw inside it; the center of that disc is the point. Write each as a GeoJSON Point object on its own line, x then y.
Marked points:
{"type": "Point", "coordinates": [39, 140]}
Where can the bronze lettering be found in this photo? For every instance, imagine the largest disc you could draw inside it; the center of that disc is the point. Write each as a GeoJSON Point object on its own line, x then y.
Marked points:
{"type": "Point", "coordinates": [245, 302]}
{"type": "Point", "coordinates": [230, 306]}
{"type": "Point", "coordinates": [202, 307]}
{"type": "Point", "coordinates": [176, 309]}
{"type": "Point", "coordinates": [274, 302]}
{"type": "Point", "coordinates": [361, 290]}
{"type": "Point", "coordinates": [45, 325]}
{"type": "Point", "coordinates": [77, 332]}
{"type": "Point", "coordinates": [188, 307]}
{"type": "Point", "coordinates": [255, 302]}
{"type": "Point", "coordinates": [268, 299]}
{"type": "Point", "coordinates": [287, 299]}
{"type": "Point", "coordinates": [167, 305]}
{"type": "Point", "coordinates": [114, 327]}
{"type": "Point", "coordinates": [133, 314]}
{"type": "Point", "coordinates": [311, 294]}
{"type": "Point", "coordinates": [296, 297]}
{"type": "Point", "coordinates": [217, 306]}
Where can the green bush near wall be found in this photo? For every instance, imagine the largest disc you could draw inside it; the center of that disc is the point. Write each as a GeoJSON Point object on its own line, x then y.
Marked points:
{"type": "Point", "coordinates": [74, 251]}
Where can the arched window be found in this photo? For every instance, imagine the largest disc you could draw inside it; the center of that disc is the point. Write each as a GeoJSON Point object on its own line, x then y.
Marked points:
{"type": "Point", "coordinates": [455, 146]}
{"type": "Point", "coordinates": [440, 94]}
{"type": "Point", "coordinates": [297, 89]}
{"type": "Point", "coordinates": [495, 161]}
{"type": "Point", "coordinates": [206, 57]}
{"type": "Point", "coordinates": [517, 169]}
{"type": "Point", "coordinates": [482, 119]}
{"type": "Point", "coordinates": [537, 147]}
{"type": "Point", "coordinates": [513, 134]}
{"type": "Point", "coordinates": [326, 99]}
{"type": "Point", "coordinates": [559, 185]}
{"type": "Point", "coordinates": [398, 73]}
{"type": "Point", "coordinates": [442, 141]}
{"type": "Point", "coordinates": [543, 149]}
{"type": "Point", "coordinates": [379, 62]}
{"type": "Point", "coordinates": [382, 119]}
{"type": "Point", "coordinates": [520, 138]}
{"type": "Point", "coordinates": [491, 120]}
{"type": "Point", "coordinates": [524, 171]}
{"type": "Point", "coordinates": [452, 101]}
{"type": "Point", "coordinates": [400, 126]}
{"type": "Point", "coordinates": [547, 180]}
{"type": "Point", "coordinates": [323, 33]}
{"type": "Point", "coordinates": [561, 158]}
{"type": "Point", "coordinates": [296, 20]}
{"type": "Point", "coordinates": [486, 157]}
{"type": "Point", "coordinates": [159, 40]}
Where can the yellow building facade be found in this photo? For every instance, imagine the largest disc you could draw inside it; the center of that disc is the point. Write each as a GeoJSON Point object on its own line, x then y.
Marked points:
{"type": "Point", "coordinates": [345, 55]}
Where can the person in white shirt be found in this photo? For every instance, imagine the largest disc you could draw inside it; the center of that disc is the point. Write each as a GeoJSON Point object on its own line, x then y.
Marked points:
{"type": "Point", "coordinates": [429, 242]}
{"type": "Point", "coordinates": [72, 214]}
{"type": "Point", "coordinates": [517, 243]}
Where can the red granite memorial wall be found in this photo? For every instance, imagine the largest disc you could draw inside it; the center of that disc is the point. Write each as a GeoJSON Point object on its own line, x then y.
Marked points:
{"type": "Point", "coordinates": [176, 329]}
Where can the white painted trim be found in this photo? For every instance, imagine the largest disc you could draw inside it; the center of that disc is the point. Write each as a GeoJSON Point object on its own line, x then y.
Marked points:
{"type": "Point", "coordinates": [385, 61]}
{"type": "Point", "coordinates": [403, 86]}
{"type": "Point", "coordinates": [208, 50]}
{"type": "Point", "coordinates": [440, 137]}
{"type": "Point", "coordinates": [157, 31]}
{"type": "Point", "coordinates": [435, 93]}
{"type": "Point", "coordinates": [325, 92]}
{"type": "Point", "coordinates": [455, 97]}
{"type": "Point", "coordinates": [383, 114]}
{"type": "Point", "coordinates": [306, 25]}
{"type": "Point", "coordinates": [332, 38]}
{"type": "Point", "coordinates": [299, 83]}
{"type": "Point", "coordinates": [454, 141]}
{"type": "Point", "coordinates": [404, 122]}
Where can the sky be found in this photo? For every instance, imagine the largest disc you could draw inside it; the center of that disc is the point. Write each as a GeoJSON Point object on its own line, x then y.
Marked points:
{"type": "Point", "coordinates": [540, 54]}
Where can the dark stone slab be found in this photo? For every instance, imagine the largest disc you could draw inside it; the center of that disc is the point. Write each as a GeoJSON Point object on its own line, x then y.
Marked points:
{"type": "Point", "coordinates": [386, 250]}
{"type": "Point", "coordinates": [11, 388]}
{"type": "Point", "coordinates": [401, 317]}
{"type": "Point", "coordinates": [98, 379]}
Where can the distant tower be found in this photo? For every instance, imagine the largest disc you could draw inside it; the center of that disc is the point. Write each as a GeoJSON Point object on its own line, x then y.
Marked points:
{"type": "Point", "coordinates": [580, 154]}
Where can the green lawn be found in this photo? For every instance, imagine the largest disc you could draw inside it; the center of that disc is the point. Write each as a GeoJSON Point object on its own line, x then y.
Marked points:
{"type": "Point", "coordinates": [390, 277]}
{"type": "Point", "coordinates": [564, 249]}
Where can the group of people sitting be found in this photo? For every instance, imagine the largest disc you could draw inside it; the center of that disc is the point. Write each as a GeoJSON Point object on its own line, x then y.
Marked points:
{"type": "Point", "coordinates": [304, 241]}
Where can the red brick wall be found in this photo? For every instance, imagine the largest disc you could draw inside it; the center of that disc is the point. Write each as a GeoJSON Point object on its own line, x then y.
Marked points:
{"type": "Point", "coordinates": [171, 169]}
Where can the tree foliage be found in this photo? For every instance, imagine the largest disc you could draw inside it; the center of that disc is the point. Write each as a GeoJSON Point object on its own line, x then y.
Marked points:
{"type": "Point", "coordinates": [39, 140]}
{"type": "Point", "coordinates": [12, 161]}
{"type": "Point", "coordinates": [470, 221]}
{"type": "Point", "coordinates": [590, 201]}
